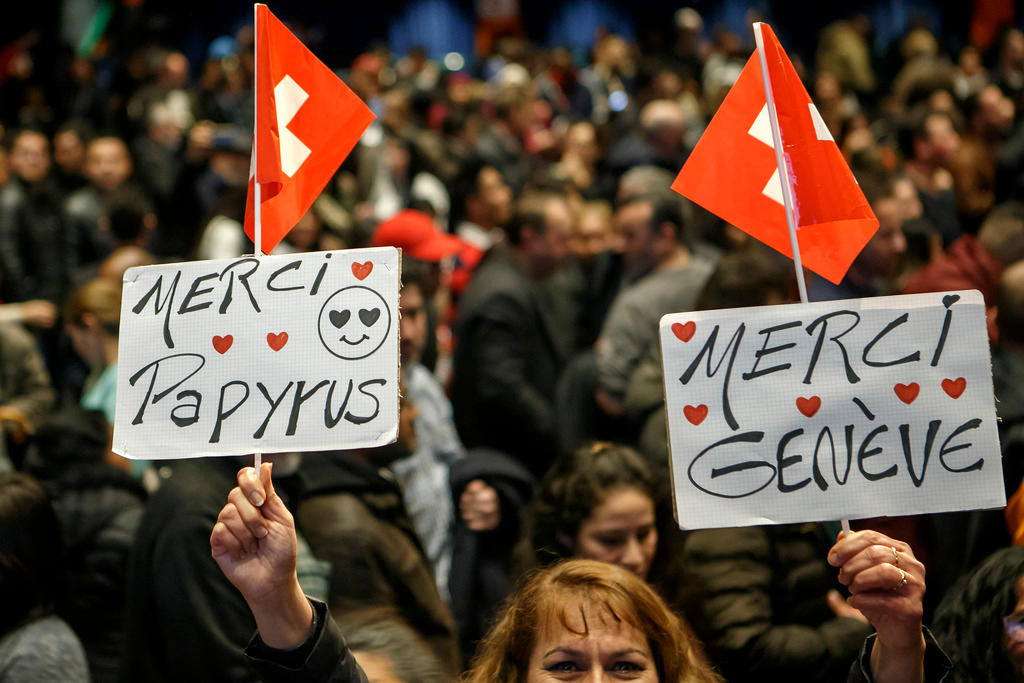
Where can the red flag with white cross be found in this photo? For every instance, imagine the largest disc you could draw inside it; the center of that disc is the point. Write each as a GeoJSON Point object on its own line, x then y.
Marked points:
{"type": "Point", "coordinates": [307, 122]}
{"type": "Point", "coordinates": [733, 171]}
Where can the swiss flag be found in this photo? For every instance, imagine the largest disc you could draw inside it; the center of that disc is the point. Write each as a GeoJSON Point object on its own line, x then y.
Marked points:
{"type": "Point", "coordinates": [307, 121]}
{"type": "Point", "coordinates": [732, 171]}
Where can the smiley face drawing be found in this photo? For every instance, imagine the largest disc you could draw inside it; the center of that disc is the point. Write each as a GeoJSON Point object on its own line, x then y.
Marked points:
{"type": "Point", "coordinates": [354, 322]}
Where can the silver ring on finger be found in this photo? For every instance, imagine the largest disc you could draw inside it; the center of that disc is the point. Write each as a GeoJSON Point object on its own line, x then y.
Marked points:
{"type": "Point", "coordinates": [895, 556]}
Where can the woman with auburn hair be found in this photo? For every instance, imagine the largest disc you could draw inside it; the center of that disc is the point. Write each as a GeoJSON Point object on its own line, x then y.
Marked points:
{"type": "Point", "coordinates": [582, 614]}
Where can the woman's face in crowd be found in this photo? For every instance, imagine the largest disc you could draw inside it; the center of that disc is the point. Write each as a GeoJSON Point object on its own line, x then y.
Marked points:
{"type": "Point", "coordinates": [620, 531]}
{"type": "Point", "coordinates": [609, 651]}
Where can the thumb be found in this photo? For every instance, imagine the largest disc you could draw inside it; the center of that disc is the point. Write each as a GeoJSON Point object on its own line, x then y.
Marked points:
{"type": "Point", "coordinates": [274, 505]}
{"type": "Point", "coordinates": [836, 602]}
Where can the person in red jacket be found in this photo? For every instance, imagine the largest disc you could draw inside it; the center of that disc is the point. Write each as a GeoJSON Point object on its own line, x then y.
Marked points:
{"type": "Point", "coordinates": [977, 262]}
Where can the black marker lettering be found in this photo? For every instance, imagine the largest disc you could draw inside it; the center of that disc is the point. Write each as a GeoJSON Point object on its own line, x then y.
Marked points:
{"type": "Point", "coordinates": [851, 376]}
{"type": "Point", "coordinates": [221, 413]}
{"type": "Point", "coordinates": [157, 305]}
{"type": "Point", "coordinates": [298, 400]}
{"type": "Point", "coordinates": [709, 349]}
{"type": "Point", "coordinates": [849, 457]}
{"type": "Point", "coordinates": [765, 350]}
{"type": "Point", "coordinates": [258, 434]}
{"type": "Point", "coordinates": [745, 437]}
{"type": "Point", "coordinates": [815, 469]}
{"type": "Point", "coordinates": [190, 419]}
{"type": "Point", "coordinates": [946, 448]}
{"type": "Point", "coordinates": [783, 462]}
{"type": "Point", "coordinates": [329, 419]}
{"type": "Point", "coordinates": [933, 428]}
{"type": "Point", "coordinates": [194, 291]}
{"type": "Point", "coordinates": [243, 278]}
{"type": "Point", "coordinates": [152, 382]}
{"type": "Point", "coordinates": [946, 320]}
{"type": "Point", "coordinates": [864, 453]}
{"type": "Point", "coordinates": [319, 277]}
{"type": "Point", "coordinates": [359, 419]}
{"type": "Point", "coordinates": [864, 409]}
{"type": "Point", "coordinates": [294, 265]}
{"type": "Point", "coordinates": [910, 358]}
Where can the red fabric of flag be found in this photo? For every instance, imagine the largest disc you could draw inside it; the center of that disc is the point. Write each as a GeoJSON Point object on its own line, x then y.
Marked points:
{"type": "Point", "coordinates": [307, 121]}
{"type": "Point", "coordinates": [732, 171]}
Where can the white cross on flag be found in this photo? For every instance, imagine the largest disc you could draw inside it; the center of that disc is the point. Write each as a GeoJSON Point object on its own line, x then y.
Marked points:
{"type": "Point", "coordinates": [733, 171]}
{"type": "Point", "coordinates": [307, 121]}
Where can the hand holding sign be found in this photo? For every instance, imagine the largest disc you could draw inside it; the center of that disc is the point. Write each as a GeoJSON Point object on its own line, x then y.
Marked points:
{"type": "Point", "coordinates": [886, 583]}
{"type": "Point", "coordinates": [254, 544]}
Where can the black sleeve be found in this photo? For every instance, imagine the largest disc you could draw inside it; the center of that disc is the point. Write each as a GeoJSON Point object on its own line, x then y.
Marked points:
{"type": "Point", "coordinates": [323, 657]}
{"type": "Point", "coordinates": [937, 666]}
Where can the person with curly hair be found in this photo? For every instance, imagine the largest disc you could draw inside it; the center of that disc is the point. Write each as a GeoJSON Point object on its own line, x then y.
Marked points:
{"type": "Point", "coordinates": [980, 621]}
{"type": "Point", "coordinates": [603, 502]}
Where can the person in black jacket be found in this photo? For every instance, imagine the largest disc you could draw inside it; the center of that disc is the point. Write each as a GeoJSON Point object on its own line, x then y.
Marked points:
{"type": "Point", "coordinates": [37, 245]}
{"type": "Point", "coordinates": [99, 507]}
{"type": "Point", "coordinates": [509, 350]}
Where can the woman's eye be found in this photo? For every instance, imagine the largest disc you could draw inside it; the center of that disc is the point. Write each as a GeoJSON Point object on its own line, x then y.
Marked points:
{"type": "Point", "coordinates": [627, 666]}
{"type": "Point", "coordinates": [561, 666]}
{"type": "Point", "coordinates": [611, 541]}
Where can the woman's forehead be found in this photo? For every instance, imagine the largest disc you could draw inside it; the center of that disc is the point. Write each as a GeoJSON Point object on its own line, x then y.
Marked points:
{"type": "Point", "coordinates": [588, 626]}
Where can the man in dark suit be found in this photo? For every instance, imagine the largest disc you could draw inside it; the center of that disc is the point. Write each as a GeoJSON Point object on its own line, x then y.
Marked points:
{"type": "Point", "coordinates": [509, 349]}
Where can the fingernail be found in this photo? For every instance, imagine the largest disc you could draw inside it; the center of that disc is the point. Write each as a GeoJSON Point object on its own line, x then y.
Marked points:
{"type": "Point", "coordinates": [262, 532]}
{"type": "Point", "coordinates": [256, 498]}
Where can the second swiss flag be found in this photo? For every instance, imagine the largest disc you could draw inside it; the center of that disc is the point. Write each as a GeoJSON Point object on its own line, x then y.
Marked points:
{"type": "Point", "coordinates": [732, 171]}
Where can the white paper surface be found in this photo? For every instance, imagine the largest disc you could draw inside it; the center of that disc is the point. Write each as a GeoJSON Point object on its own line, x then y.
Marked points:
{"type": "Point", "coordinates": [283, 353]}
{"type": "Point", "coordinates": [833, 410]}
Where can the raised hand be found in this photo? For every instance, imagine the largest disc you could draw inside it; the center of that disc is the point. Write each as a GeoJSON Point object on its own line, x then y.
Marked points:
{"type": "Point", "coordinates": [254, 544]}
{"type": "Point", "coordinates": [886, 584]}
{"type": "Point", "coordinates": [480, 506]}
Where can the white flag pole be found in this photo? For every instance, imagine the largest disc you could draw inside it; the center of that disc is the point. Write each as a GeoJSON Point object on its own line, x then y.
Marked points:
{"type": "Point", "coordinates": [257, 231]}
{"type": "Point", "coordinates": [784, 179]}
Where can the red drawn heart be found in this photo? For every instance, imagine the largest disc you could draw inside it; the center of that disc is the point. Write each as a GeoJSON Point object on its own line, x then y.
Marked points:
{"type": "Point", "coordinates": [361, 270]}
{"type": "Point", "coordinates": [277, 341]}
{"type": "Point", "coordinates": [695, 414]}
{"type": "Point", "coordinates": [808, 406]}
{"type": "Point", "coordinates": [222, 344]}
{"type": "Point", "coordinates": [954, 387]}
{"type": "Point", "coordinates": [684, 332]}
{"type": "Point", "coordinates": [907, 392]}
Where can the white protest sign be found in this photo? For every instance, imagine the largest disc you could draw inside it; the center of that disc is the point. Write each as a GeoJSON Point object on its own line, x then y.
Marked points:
{"type": "Point", "coordinates": [834, 410]}
{"type": "Point", "coordinates": [283, 353]}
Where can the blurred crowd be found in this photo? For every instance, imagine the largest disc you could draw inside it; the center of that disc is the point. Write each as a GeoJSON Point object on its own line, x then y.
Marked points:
{"type": "Point", "coordinates": [529, 191]}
